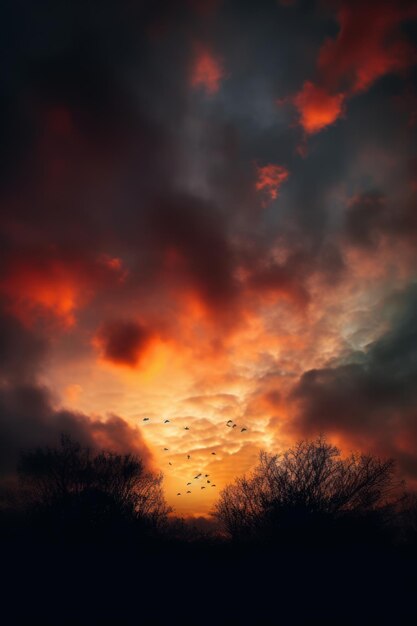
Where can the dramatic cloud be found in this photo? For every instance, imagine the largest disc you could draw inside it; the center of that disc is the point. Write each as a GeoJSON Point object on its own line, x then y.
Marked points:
{"type": "Point", "coordinates": [207, 71]}
{"type": "Point", "coordinates": [317, 107]}
{"type": "Point", "coordinates": [370, 399]}
{"type": "Point", "coordinates": [167, 256]}
{"type": "Point", "coordinates": [369, 45]}
{"type": "Point", "coordinates": [28, 419]}
{"type": "Point", "coordinates": [270, 178]}
{"type": "Point", "coordinates": [29, 414]}
{"type": "Point", "coordinates": [124, 342]}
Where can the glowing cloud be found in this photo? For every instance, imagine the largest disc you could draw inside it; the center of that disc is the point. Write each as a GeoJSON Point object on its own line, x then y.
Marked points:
{"type": "Point", "coordinates": [207, 72]}
{"type": "Point", "coordinates": [36, 291]}
{"type": "Point", "coordinates": [270, 178]}
{"type": "Point", "coordinates": [369, 45]}
{"type": "Point", "coordinates": [317, 108]}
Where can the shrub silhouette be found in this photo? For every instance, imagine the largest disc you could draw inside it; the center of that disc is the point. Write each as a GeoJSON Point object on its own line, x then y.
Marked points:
{"type": "Point", "coordinates": [309, 493]}
{"type": "Point", "coordinates": [71, 490]}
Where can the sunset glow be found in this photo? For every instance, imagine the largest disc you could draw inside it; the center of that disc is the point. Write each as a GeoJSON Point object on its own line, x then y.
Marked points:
{"type": "Point", "coordinates": [192, 272]}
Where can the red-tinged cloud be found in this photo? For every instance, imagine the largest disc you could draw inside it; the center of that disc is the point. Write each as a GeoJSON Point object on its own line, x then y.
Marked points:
{"type": "Point", "coordinates": [317, 108]}
{"type": "Point", "coordinates": [42, 286]}
{"type": "Point", "coordinates": [207, 71]}
{"type": "Point", "coordinates": [34, 291]}
{"type": "Point", "coordinates": [369, 45]}
{"type": "Point", "coordinates": [270, 178]}
{"type": "Point", "coordinates": [124, 342]}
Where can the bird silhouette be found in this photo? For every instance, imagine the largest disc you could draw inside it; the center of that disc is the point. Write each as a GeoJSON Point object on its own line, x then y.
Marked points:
{"type": "Point", "coordinates": [213, 453]}
{"type": "Point", "coordinates": [229, 421]}
{"type": "Point", "coordinates": [209, 481]}
{"type": "Point", "coordinates": [198, 476]}
{"type": "Point", "coordinates": [206, 475]}
{"type": "Point", "coordinates": [243, 430]}
{"type": "Point", "coordinates": [166, 449]}
{"type": "Point", "coordinates": [234, 425]}
{"type": "Point", "coordinates": [169, 463]}
{"type": "Point", "coordinates": [188, 456]}
{"type": "Point", "coordinates": [146, 419]}
{"type": "Point", "coordinates": [166, 422]}
{"type": "Point", "coordinates": [189, 484]}
{"type": "Point", "coordinates": [202, 487]}
{"type": "Point", "coordinates": [186, 428]}
{"type": "Point", "coordinates": [188, 491]}
{"type": "Point", "coordinates": [178, 494]}
{"type": "Point", "coordinates": [213, 485]}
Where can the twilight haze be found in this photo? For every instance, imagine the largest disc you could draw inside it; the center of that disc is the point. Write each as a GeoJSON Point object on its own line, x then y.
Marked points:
{"type": "Point", "coordinates": [208, 216]}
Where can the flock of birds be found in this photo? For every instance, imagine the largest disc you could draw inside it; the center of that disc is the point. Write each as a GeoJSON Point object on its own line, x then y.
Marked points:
{"type": "Point", "coordinates": [230, 424]}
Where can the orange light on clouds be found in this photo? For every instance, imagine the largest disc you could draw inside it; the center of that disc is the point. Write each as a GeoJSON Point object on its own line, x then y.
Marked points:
{"type": "Point", "coordinates": [361, 54]}
{"type": "Point", "coordinates": [317, 108]}
{"type": "Point", "coordinates": [369, 45]}
{"type": "Point", "coordinates": [207, 72]}
{"type": "Point", "coordinates": [270, 178]}
{"type": "Point", "coordinates": [39, 292]}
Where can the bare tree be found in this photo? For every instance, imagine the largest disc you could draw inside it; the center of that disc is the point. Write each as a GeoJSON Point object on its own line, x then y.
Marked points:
{"type": "Point", "coordinates": [308, 486]}
{"type": "Point", "coordinates": [73, 481]}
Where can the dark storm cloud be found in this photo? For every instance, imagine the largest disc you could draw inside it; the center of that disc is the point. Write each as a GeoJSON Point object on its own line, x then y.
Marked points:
{"type": "Point", "coordinates": [28, 416]}
{"type": "Point", "coordinates": [124, 342]}
{"type": "Point", "coordinates": [372, 215]}
{"type": "Point", "coordinates": [28, 419]}
{"type": "Point", "coordinates": [21, 351]}
{"type": "Point", "coordinates": [372, 398]}
{"type": "Point", "coordinates": [112, 156]}
{"type": "Point", "coordinates": [194, 230]}
{"type": "Point", "coordinates": [104, 87]}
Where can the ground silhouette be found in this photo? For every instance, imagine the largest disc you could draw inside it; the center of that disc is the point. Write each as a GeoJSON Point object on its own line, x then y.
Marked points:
{"type": "Point", "coordinates": [308, 538]}
{"type": "Point", "coordinates": [311, 494]}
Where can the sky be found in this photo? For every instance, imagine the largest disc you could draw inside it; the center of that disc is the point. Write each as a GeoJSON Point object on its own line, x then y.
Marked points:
{"type": "Point", "coordinates": [208, 216]}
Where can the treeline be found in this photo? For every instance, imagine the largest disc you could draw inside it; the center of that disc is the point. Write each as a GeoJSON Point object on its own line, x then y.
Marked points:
{"type": "Point", "coordinates": [307, 495]}
{"type": "Point", "coordinates": [309, 537]}
{"type": "Point", "coordinates": [311, 494]}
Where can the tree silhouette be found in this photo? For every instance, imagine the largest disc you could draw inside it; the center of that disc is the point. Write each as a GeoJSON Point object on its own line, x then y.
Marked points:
{"type": "Point", "coordinates": [79, 490]}
{"type": "Point", "coordinates": [307, 491]}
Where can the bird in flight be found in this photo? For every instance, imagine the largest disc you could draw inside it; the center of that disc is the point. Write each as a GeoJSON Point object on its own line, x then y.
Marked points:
{"type": "Point", "coordinates": [166, 422]}
{"type": "Point", "coordinates": [146, 419]}
{"type": "Point", "coordinates": [169, 463]}
{"type": "Point", "coordinates": [206, 475]}
{"type": "Point", "coordinates": [229, 423]}
{"type": "Point", "coordinates": [188, 491]}
{"type": "Point", "coordinates": [209, 481]}
{"type": "Point", "coordinates": [234, 425]}
{"type": "Point", "coordinates": [188, 484]}
{"type": "Point", "coordinates": [186, 428]}
{"type": "Point", "coordinates": [243, 430]}
{"type": "Point", "coordinates": [202, 487]}
{"type": "Point", "coordinates": [213, 485]}
{"type": "Point", "coordinates": [178, 494]}
{"type": "Point", "coordinates": [213, 453]}
{"type": "Point", "coordinates": [198, 476]}
{"type": "Point", "coordinates": [188, 456]}
{"type": "Point", "coordinates": [166, 449]}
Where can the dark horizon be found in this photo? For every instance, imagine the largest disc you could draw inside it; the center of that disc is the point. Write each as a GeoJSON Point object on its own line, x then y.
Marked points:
{"type": "Point", "coordinates": [81, 515]}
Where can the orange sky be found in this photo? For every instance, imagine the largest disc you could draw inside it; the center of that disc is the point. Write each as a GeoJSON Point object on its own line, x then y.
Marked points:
{"type": "Point", "coordinates": [209, 217]}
